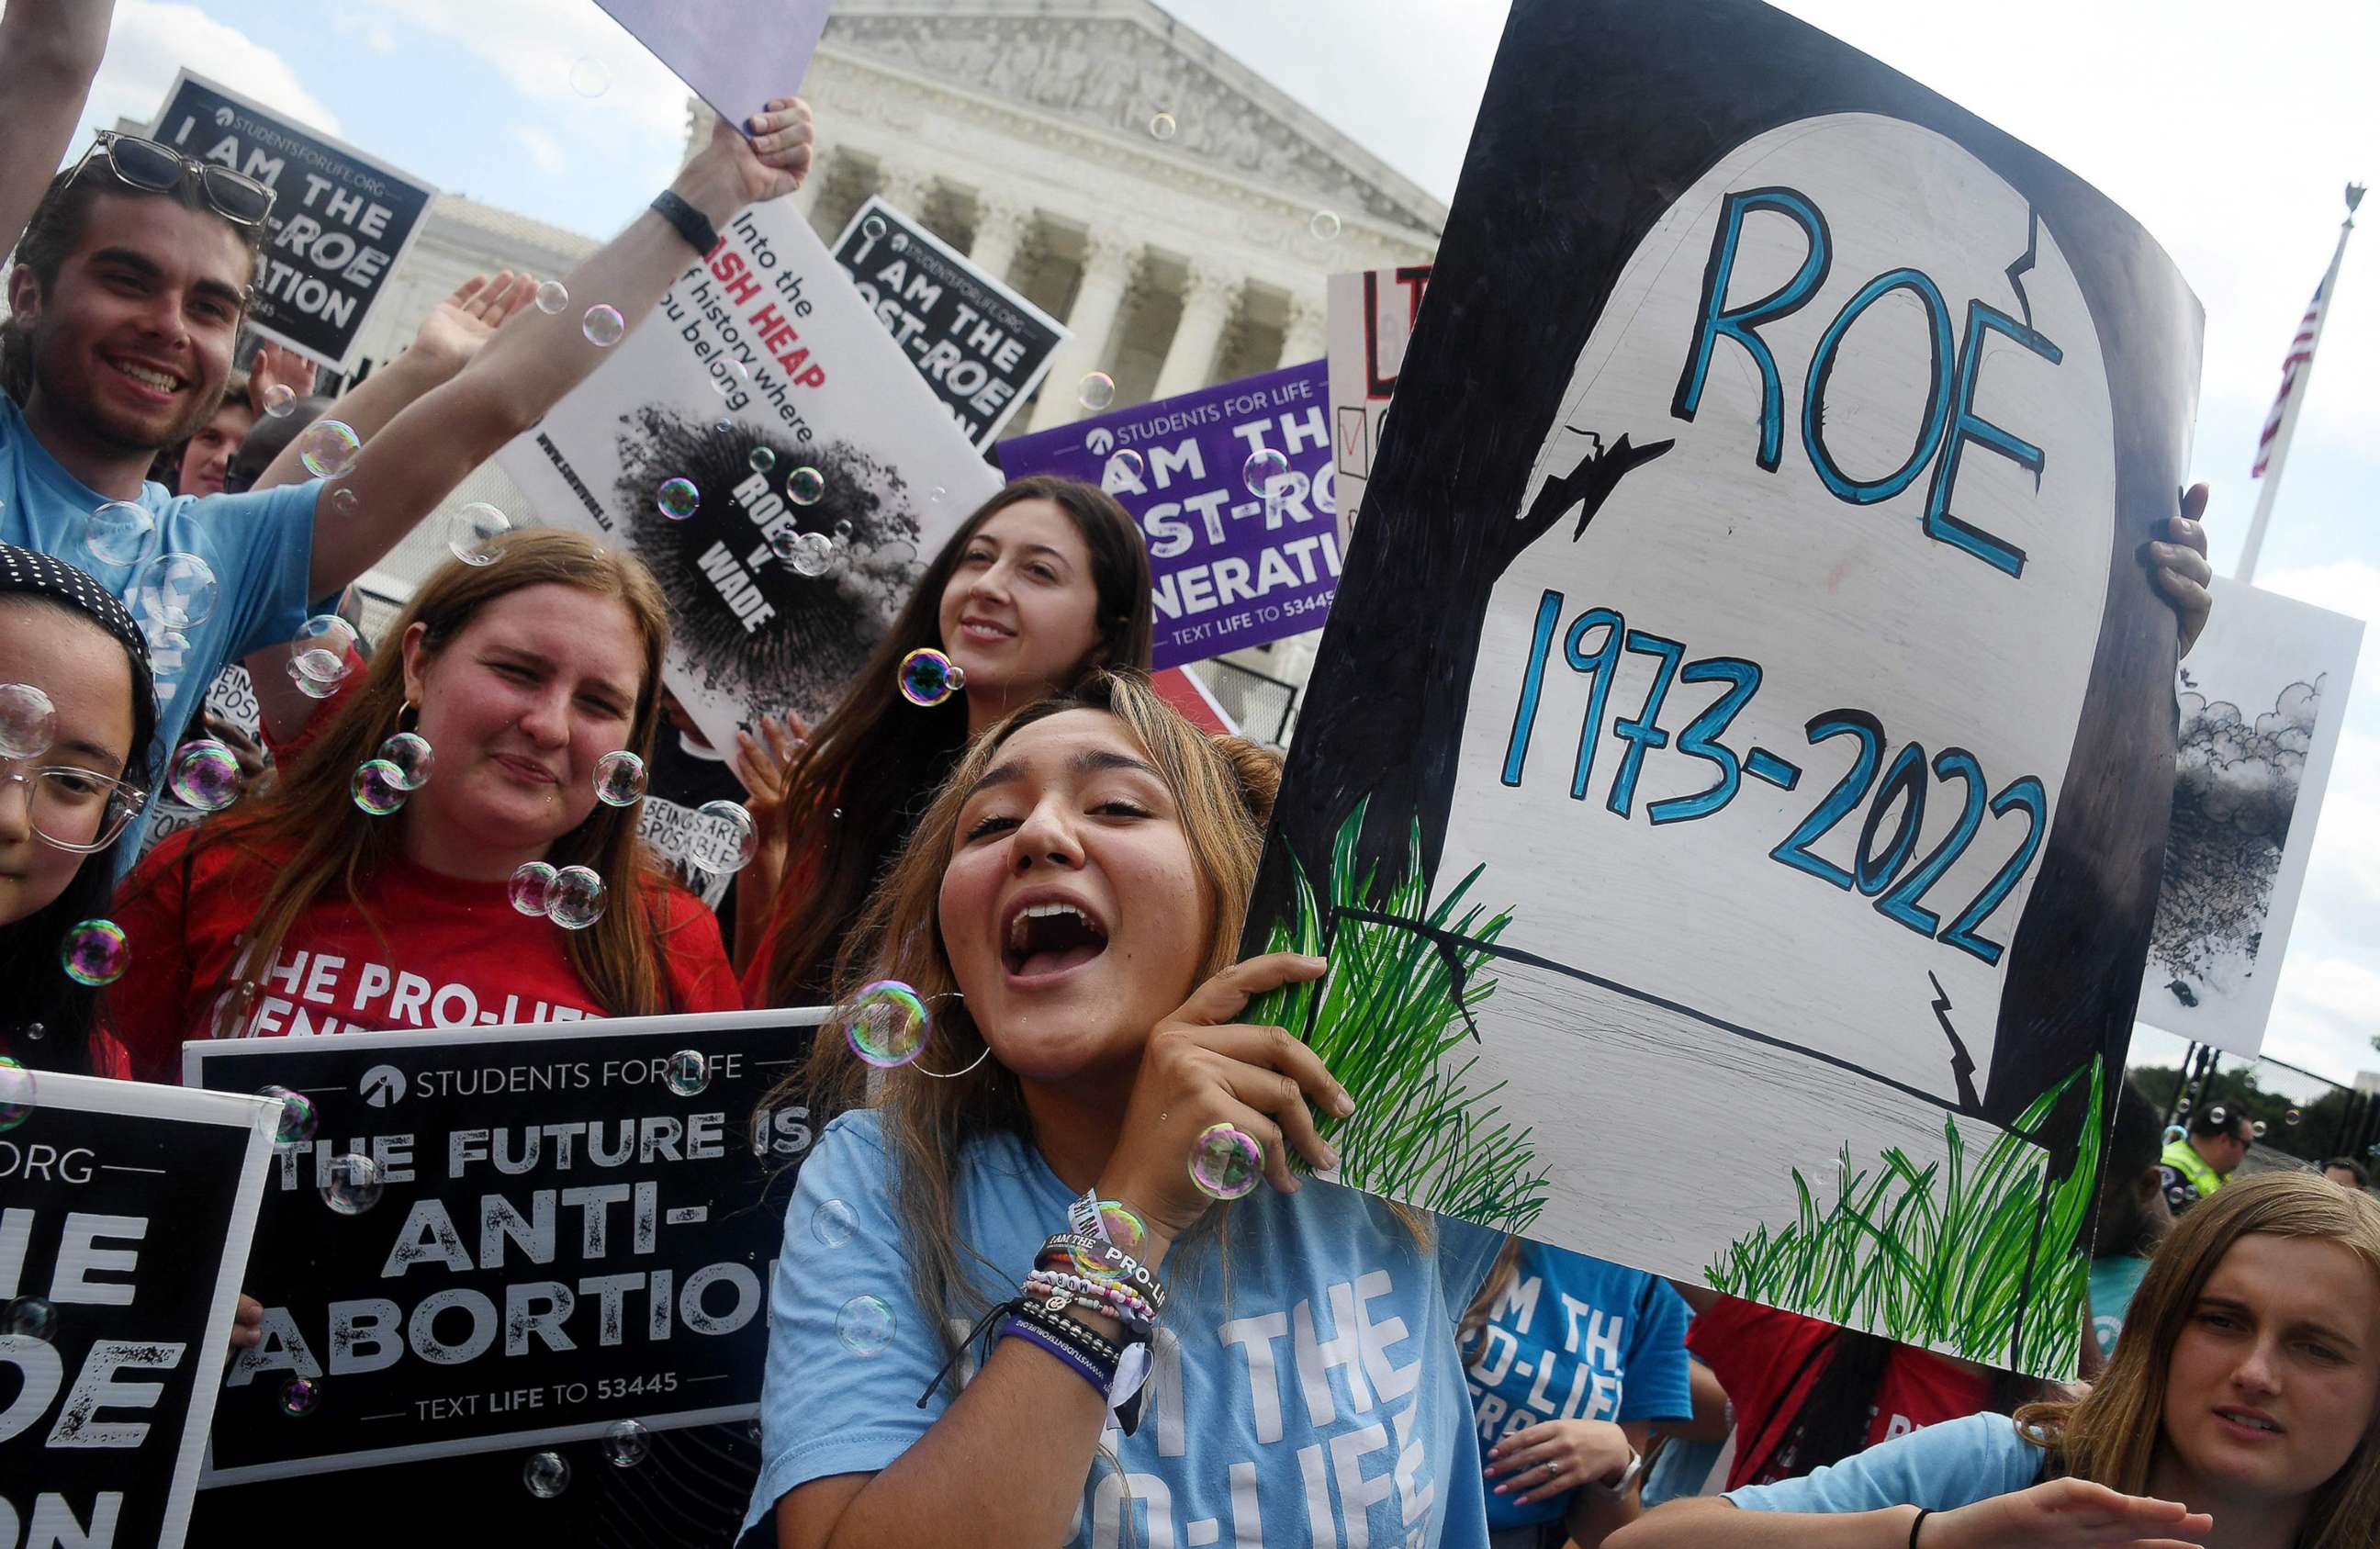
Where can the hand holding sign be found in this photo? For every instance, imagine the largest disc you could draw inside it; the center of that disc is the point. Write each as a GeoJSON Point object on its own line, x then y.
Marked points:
{"type": "Point", "coordinates": [2179, 567]}
{"type": "Point", "coordinates": [733, 172]}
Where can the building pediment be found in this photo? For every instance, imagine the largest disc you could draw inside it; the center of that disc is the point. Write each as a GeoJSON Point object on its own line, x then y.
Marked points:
{"type": "Point", "coordinates": [1111, 67]}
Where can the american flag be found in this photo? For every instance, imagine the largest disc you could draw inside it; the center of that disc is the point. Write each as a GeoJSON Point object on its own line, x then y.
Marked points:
{"type": "Point", "coordinates": [2292, 367]}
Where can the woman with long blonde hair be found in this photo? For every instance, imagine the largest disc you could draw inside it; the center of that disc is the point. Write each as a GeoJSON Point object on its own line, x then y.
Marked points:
{"type": "Point", "coordinates": [1279, 1369]}
{"type": "Point", "coordinates": [2238, 1411]}
{"type": "Point", "coordinates": [316, 907]}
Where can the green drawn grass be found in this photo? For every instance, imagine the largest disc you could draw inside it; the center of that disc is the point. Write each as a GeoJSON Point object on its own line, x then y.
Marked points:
{"type": "Point", "coordinates": [1388, 1022]}
{"type": "Point", "coordinates": [1948, 1260]}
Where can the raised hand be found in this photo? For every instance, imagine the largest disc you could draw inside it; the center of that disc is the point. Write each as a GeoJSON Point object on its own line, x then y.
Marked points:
{"type": "Point", "coordinates": [763, 764]}
{"type": "Point", "coordinates": [2180, 568]}
{"type": "Point", "coordinates": [277, 365]}
{"type": "Point", "coordinates": [457, 327]}
{"type": "Point", "coordinates": [2067, 1514]}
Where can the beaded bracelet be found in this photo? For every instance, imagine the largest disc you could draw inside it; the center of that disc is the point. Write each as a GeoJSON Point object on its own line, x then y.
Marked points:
{"type": "Point", "coordinates": [1127, 1304]}
{"type": "Point", "coordinates": [1087, 1341]}
{"type": "Point", "coordinates": [1072, 1250]}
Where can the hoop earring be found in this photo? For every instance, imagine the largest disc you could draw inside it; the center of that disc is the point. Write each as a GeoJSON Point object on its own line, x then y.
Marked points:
{"type": "Point", "coordinates": [409, 708]}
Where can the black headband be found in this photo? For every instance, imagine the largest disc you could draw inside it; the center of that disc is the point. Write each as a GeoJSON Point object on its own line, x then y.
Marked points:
{"type": "Point", "coordinates": [27, 572]}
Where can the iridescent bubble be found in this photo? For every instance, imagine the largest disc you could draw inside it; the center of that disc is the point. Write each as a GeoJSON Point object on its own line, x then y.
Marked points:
{"type": "Point", "coordinates": [472, 532]}
{"type": "Point", "coordinates": [625, 1444]}
{"type": "Point", "coordinates": [95, 953]}
{"type": "Point", "coordinates": [30, 1317]}
{"type": "Point", "coordinates": [343, 502]}
{"type": "Point", "coordinates": [1261, 468]}
{"type": "Point", "coordinates": [842, 531]}
{"type": "Point", "coordinates": [834, 1223]}
{"type": "Point", "coordinates": [678, 498]}
{"type": "Point", "coordinates": [279, 399]}
{"type": "Point", "coordinates": [928, 677]}
{"type": "Point", "coordinates": [352, 1183]}
{"type": "Point", "coordinates": [29, 722]}
{"type": "Point", "coordinates": [814, 554]}
{"type": "Point", "coordinates": [320, 647]}
{"type": "Point", "coordinates": [178, 590]}
{"type": "Point", "coordinates": [785, 543]}
{"type": "Point", "coordinates": [619, 779]}
{"type": "Point", "coordinates": [578, 898]}
{"type": "Point", "coordinates": [547, 1474]}
{"type": "Point", "coordinates": [299, 1395]}
{"type": "Point", "coordinates": [2217, 1115]}
{"type": "Point", "coordinates": [1226, 1163]}
{"type": "Point", "coordinates": [310, 686]}
{"type": "Point", "coordinates": [553, 297]}
{"type": "Point", "coordinates": [293, 1123]}
{"type": "Point", "coordinates": [688, 1073]}
{"type": "Point", "coordinates": [2293, 1118]}
{"type": "Point", "coordinates": [762, 459]}
{"type": "Point", "coordinates": [935, 496]}
{"type": "Point", "coordinates": [1162, 126]}
{"type": "Point", "coordinates": [872, 228]}
{"type": "Point", "coordinates": [590, 77]}
{"type": "Point", "coordinates": [169, 650]}
{"type": "Point", "coordinates": [1128, 465]}
{"type": "Point", "coordinates": [1324, 225]}
{"type": "Point", "coordinates": [804, 485]}
{"type": "Point", "coordinates": [17, 1092]}
{"type": "Point", "coordinates": [603, 326]}
{"type": "Point", "coordinates": [411, 753]}
{"type": "Point", "coordinates": [2256, 1128]}
{"type": "Point", "coordinates": [378, 787]}
{"type": "Point", "coordinates": [2174, 1133]}
{"type": "Point", "coordinates": [329, 449]}
{"type": "Point", "coordinates": [205, 775]}
{"type": "Point", "coordinates": [532, 888]}
{"type": "Point", "coordinates": [886, 1023]}
{"type": "Point", "coordinates": [1096, 391]}
{"type": "Point", "coordinates": [118, 533]}
{"type": "Point", "coordinates": [724, 838]}
{"type": "Point", "coordinates": [865, 1325]}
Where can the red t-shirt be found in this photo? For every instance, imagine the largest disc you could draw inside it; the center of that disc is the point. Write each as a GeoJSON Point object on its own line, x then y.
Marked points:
{"type": "Point", "coordinates": [1768, 1362]}
{"type": "Point", "coordinates": [448, 954]}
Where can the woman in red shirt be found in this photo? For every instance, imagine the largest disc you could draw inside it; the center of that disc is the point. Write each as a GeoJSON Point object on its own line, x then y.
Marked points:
{"type": "Point", "coordinates": [300, 911]}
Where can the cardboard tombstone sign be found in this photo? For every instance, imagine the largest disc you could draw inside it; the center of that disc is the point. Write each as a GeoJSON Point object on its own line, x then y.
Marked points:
{"type": "Point", "coordinates": [1746, 698]}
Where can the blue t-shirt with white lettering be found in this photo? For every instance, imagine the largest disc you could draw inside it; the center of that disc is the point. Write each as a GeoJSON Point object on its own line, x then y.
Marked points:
{"type": "Point", "coordinates": [1575, 1338]}
{"type": "Point", "coordinates": [1941, 1468]}
{"type": "Point", "coordinates": [259, 545]}
{"type": "Point", "coordinates": [1313, 1394]}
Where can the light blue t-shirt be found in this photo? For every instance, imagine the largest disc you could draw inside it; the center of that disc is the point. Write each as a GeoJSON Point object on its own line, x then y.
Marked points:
{"type": "Point", "coordinates": [1574, 1338]}
{"type": "Point", "coordinates": [1320, 1401]}
{"type": "Point", "coordinates": [259, 545]}
{"type": "Point", "coordinates": [1940, 1468]}
{"type": "Point", "coordinates": [2114, 1280]}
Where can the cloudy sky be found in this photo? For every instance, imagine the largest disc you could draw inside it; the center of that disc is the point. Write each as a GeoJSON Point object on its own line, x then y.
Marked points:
{"type": "Point", "coordinates": [2227, 129]}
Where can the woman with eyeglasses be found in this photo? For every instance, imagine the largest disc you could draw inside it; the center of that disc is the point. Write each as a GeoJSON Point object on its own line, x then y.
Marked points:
{"type": "Point", "coordinates": [78, 709]}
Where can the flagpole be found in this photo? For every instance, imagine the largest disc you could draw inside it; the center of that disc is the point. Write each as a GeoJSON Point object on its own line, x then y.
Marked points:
{"type": "Point", "coordinates": [2246, 569]}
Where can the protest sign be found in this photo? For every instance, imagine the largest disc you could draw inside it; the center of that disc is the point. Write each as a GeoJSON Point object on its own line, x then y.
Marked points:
{"type": "Point", "coordinates": [1735, 767]}
{"type": "Point", "coordinates": [128, 1210]}
{"type": "Point", "coordinates": [560, 1226]}
{"type": "Point", "coordinates": [341, 219]}
{"type": "Point", "coordinates": [1371, 317]}
{"type": "Point", "coordinates": [2263, 697]}
{"type": "Point", "coordinates": [1240, 546]}
{"type": "Point", "coordinates": [764, 382]}
{"type": "Point", "coordinates": [738, 57]}
{"type": "Point", "coordinates": [982, 347]}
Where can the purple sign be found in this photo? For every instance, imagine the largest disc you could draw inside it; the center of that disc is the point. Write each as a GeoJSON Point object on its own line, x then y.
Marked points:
{"type": "Point", "coordinates": [1243, 546]}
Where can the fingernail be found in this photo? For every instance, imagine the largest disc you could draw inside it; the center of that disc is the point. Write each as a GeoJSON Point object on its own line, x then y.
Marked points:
{"type": "Point", "coordinates": [1341, 1104]}
{"type": "Point", "coordinates": [1330, 1159]}
{"type": "Point", "coordinates": [1501, 1489]}
{"type": "Point", "coordinates": [1317, 962]}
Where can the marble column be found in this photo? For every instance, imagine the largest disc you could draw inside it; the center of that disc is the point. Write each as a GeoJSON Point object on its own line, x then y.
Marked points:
{"type": "Point", "coordinates": [805, 198]}
{"type": "Point", "coordinates": [1000, 228]}
{"type": "Point", "coordinates": [1108, 261]}
{"type": "Point", "coordinates": [1207, 296]}
{"type": "Point", "coordinates": [1305, 338]}
{"type": "Point", "coordinates": [905, 189]}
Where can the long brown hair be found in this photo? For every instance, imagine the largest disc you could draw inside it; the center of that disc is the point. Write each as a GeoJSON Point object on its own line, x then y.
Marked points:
{"type": "Point", "coordinates": [336, 846]}
{"type": "Point", "coordinates": [2111, 1437]}
{"type": "Point", "coordinates": [875, 760]}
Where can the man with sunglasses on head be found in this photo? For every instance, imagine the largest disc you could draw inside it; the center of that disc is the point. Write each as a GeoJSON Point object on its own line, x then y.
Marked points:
{"type": "Point", "coordinates": [131, 279]}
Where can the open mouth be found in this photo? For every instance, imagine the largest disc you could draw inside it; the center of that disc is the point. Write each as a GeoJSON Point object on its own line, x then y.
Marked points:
{"type": "Point", "coordinates": [151, 378]}
{"type": "Point", "coordinates": [1049, 938]}
{"type": "Point", "coordinates": [2250, 1419]}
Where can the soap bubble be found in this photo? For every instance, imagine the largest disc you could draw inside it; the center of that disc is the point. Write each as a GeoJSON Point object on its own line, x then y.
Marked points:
{"type": "Point", "coordinates": [329, 448]}
{"type": "Point", "coordinates": [886, 1023]}
{"type": "Point", "coordinates": [2217, 1115]}
{"type": "Point", "coordinates": [178, 590]}
{"type": "Point", "coordinates": [578, 898]}
{"type": "Point", "coordinates": [16, 1089]}
{"type": "Point", "coordinates": [619, 779]}
{"type": "Point", "coordinates": [378, 787]}
{"type": "Point", "coordinates": [678, 498]}
{"type": "Point", "coordinates": [2174, 1133]}
{"type": "Point", "coordinates": [320, 646]}
{"type": "Point", "coordinates": [1162, 126]}
{"type": "Point", "coordinates": [842, 531]}
{"type": "Point", "coordinates": [293, 1123]}
{"type": "Point", "coordinates": [343, 502]}
{"type": "Point", "coordinates": [354, 1185]}
{"type": "Point", "coordinates": [724, 838]}
{"type": "Point", "coordinates": [310, 686]}
{"type": "Point", "coordinates": [603, 326]}
{"type": "Point", "coordinates": [804, 485]}
{"type": "Point", "coordinates": [928, 677]}
{"type": "Point", "coordinates": [813, 554]}
{"type": "Point", "coordinates": [205, 775]}
{"type": "Point", "coordinates": [279, 399]}
{"type": "Point", "coordinates": [299, 1395]}
{"type": "Point", "coordinates": [34, 1031]}
{"type": "Point", "coordinates": [29, 722]}
{"type": "Point", "coordinates": [553, 297]}
{"type": "Point", "coordinates": [30, 1317]}
{"type": "Point", "coordinates": [590, 77]}
{"type": "Point", "coordinates": [865, 1325]}
{"type": "Point", "coordinates": [2256, 1129]}
{"type": "Point", "coordinates": [1324, 225]}
{"type": "Point", "coordinates": [687, 1072]}
{"type": "Point", "coordinates": [762, 459]}
{"type": "Point", "coordinates": [118, 533]}
{"type": "Point", "coordinates": [1261, 470]}
{"type": "Point", "coordinates": [472, 532]}
{"type": "Point", "coordinates": [1128, 463]}
{"type": "Point", "coordinates": [95, 953]}
{"type": "Point", "coordinates": [2293, 1118]}
{"type": "Point", "coordinates": [625, 1444]}
{"type": "Point", "coordinates": [409, 753]}
{"type": "Point", "coordinates": [547, 1474]}
{"type": "Point", "coordinates": [1226, 1163]}
{"type": "Point", "coordinates": [1096, 391]}
{"type": "Point", "coordinates": [532, 888]}
{"type": "Point", "coordinates": [834, 1223]}
{"type": "Point", "coordinates": [733, 375]}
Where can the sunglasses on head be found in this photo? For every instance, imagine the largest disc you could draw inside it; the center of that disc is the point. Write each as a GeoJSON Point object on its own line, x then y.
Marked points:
{"type": "Point", "coordinates": [158, 169]}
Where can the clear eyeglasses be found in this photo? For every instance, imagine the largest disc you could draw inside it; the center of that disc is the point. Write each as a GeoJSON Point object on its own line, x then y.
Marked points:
{"type": "Point", "coordinates": [73, 809]}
